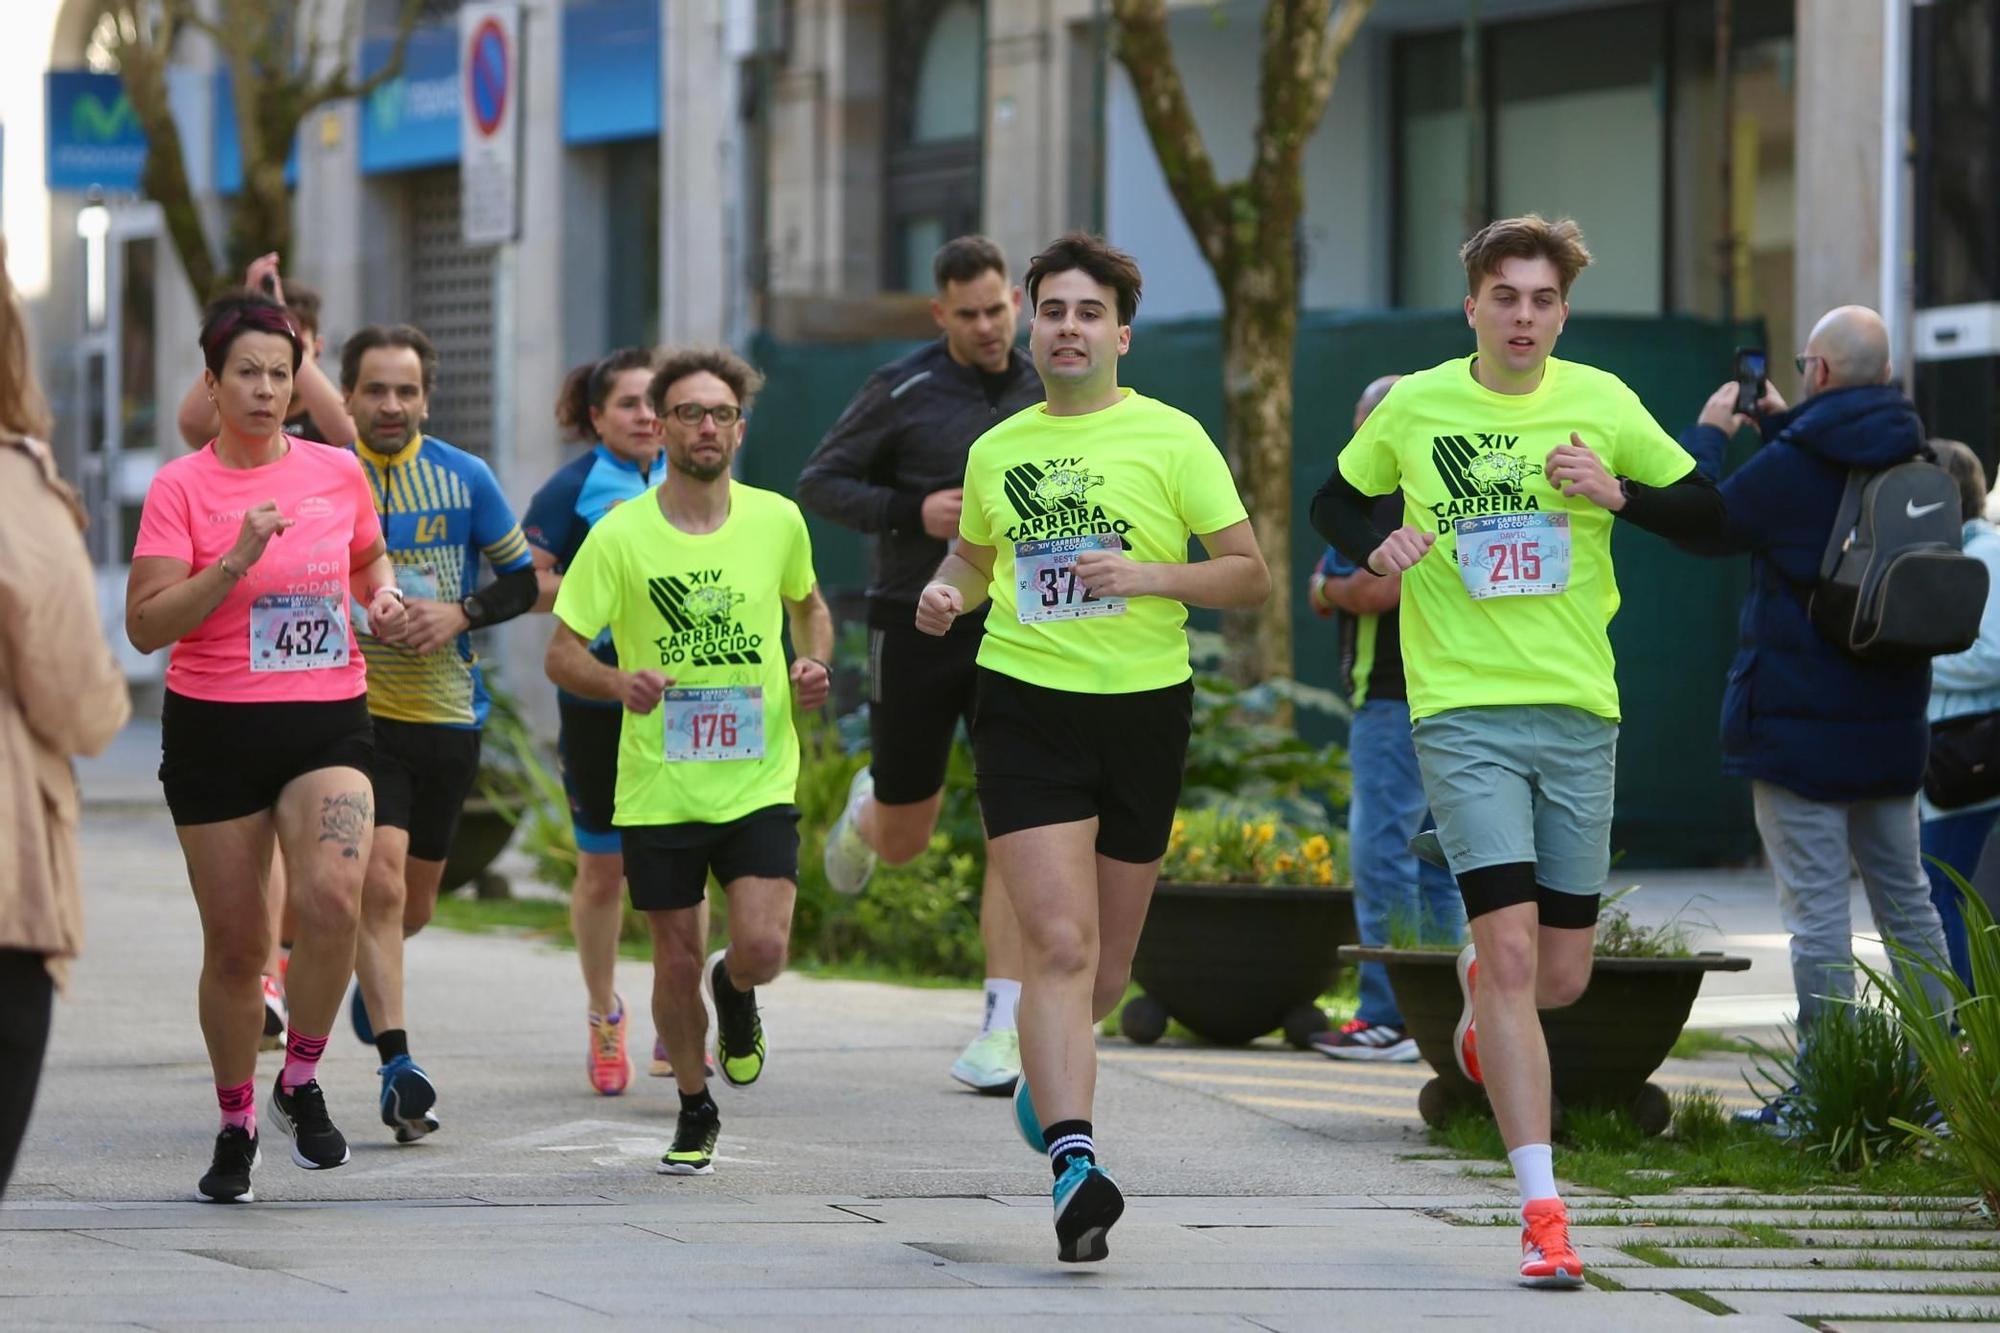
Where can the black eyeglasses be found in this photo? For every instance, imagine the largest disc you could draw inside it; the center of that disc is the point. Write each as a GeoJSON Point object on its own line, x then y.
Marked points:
{"type": "Point", "coordinates": [690, 414]}
{"type": "Point", "coordinates": [1802, 360]}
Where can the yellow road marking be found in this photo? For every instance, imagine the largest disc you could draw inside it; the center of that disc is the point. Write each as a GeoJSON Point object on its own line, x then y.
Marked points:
{"type": "Point", "coordinates": [1326, 1104]}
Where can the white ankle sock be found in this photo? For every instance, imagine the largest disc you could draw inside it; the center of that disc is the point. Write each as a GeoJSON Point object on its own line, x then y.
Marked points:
{"type": "Point", "coordinates": [1534, 1171]}
{"type": "Point", "coordinates": [1001, 998]}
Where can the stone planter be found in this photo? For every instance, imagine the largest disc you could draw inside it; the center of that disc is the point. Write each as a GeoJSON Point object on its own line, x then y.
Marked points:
{"type": "Point", "coordinates": [1602, 1049]}
{"type": "Point", "coordinates": [483, 833]}
{"type": "Point", "coordinates": [1232, 962]}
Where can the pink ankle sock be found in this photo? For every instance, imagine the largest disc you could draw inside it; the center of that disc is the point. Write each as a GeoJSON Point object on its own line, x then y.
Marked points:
{"type": "Point", "coordinates": [301, 1059]}
{"type": "Point", "coordinates": [239, 1106]}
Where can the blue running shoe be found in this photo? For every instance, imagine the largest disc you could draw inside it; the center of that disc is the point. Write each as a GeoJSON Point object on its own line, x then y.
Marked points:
{"type": "Point", "coordinates": [1087, 1203]}
{"type": "Point", "coordinates": [358, 1011]}
{"type": "Point", "coordinates": [408, 1097]}
{"type": "Point", "coordinates": [1778, 1116]}
{"type": "Point", "coordinates": [1025, 1119]}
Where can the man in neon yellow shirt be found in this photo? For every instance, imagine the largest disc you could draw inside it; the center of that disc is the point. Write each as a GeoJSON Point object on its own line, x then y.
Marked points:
{"type": "Point", "coordinates": [697, 582]}
{"type": "Point", "coordinates": [1512, 464]}
{"type": "Point", "coordinates": [1076, 519]}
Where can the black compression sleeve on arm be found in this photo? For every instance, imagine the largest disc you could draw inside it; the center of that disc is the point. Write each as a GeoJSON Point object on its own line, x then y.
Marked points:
{"type": "Point", "coordinates": [1689, 510]}
{"type": "Point", "coordinates": [508, 596]}
{"type": "Point", "coordinates": [1339, 513]}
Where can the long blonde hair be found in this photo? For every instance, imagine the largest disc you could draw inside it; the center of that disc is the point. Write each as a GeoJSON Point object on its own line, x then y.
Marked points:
{"type": "Point", "coordinates": [23, 409]}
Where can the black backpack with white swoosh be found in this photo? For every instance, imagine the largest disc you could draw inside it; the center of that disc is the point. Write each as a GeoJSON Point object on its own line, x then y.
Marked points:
{"type": "Point", "coordinates": [1895, 584]}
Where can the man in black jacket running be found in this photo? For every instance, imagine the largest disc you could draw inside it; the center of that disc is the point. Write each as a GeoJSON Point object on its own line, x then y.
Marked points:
{"type": "Point", "coordinates": [893, 467]}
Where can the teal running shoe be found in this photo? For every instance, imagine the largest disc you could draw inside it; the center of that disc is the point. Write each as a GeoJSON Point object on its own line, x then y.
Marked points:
{"type": "Point", "coordinates": [1087, 1203]}
{"type": "Point", "coordinates": [1025, 1119]}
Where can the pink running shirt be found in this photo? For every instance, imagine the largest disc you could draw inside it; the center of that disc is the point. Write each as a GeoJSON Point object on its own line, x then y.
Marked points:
{"type": "Point", "coordinates": [194, 509]}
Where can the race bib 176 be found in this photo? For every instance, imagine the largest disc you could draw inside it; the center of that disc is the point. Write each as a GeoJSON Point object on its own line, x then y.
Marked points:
{"type": "Point", "coordinates": [709, 725]}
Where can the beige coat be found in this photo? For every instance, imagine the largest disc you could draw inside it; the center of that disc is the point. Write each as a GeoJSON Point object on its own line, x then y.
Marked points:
{"type": "Point", "coordinates": [61, 694]}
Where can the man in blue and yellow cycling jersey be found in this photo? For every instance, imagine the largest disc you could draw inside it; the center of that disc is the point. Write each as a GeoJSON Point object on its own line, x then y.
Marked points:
{"type": "Point", "coordinates": [441, 512]}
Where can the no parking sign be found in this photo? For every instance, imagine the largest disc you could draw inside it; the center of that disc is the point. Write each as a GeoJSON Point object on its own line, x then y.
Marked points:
{"type": "Point", "coordinates": [489, 122]}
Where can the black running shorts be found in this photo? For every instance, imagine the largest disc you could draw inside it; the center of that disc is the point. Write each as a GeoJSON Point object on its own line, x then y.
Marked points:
{"type": "Point", "coordinates": [920, 685]}
{"type": "Point", "coordinates": [667, 865]}
{"type": "Point", "coordinates": [423, 773]}
{"type": "Point", "coordinates": [221, 761]}
{"type": "Point", "coordinates": [1054, 757]}
{"type": "Point", "coordinates": [588, 745]}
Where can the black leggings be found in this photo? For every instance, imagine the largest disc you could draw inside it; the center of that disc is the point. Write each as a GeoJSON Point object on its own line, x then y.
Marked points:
{"type": "Point", "coordinates": [26, 992]}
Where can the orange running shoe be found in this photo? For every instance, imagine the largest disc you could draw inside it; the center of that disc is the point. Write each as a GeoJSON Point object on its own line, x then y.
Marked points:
{"type": "Point", "coordinates": [1546, 1257]}
{"type": "Point", "coordinates": [1465, 1040]}
{"type": "Point", "coordinates": [609, 1067]}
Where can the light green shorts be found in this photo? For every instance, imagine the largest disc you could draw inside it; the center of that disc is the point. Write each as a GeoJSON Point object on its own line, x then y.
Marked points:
{"type": "Point", "coordinates": [1522, 783]}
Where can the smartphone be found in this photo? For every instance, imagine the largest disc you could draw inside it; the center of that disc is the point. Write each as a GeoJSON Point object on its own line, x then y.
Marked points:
{"type": "Point", "coordinates": [1750, 366]}
{"type": "Point", "coordinates": [270, 285]}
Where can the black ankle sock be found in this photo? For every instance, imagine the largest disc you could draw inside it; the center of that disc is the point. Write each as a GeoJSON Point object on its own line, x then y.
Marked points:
{"type": "Point", "coordinates": [392, 1043]}
{"type": "Point", "coordinates": [1067, 1139]}
{"type": "Point", "coordinates": [700, 1103]}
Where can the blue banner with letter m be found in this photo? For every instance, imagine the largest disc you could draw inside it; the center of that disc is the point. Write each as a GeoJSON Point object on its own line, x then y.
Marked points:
{"type": "Point", "coordinates": [94, 139]}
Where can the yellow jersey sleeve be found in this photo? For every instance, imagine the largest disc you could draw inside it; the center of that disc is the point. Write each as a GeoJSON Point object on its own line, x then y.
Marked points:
{"type": "Point", "coordinates": [1644, 451]}
{"type": "Point", "coordinates": [1369, 460]}
{"type": "Point", "coordinates": [589, 598]}
{"type": "Point", "coordinates": [1206, 490]}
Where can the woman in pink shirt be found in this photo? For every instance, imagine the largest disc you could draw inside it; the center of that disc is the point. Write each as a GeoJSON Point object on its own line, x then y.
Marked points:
{"type": "Point", "coordinates": [248, 551]}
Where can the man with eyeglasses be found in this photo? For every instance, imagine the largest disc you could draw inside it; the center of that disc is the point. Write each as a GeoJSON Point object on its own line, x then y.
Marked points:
{"type": "Point", "coordinates": [1834, 747]}
{"type": "Point", "coordinates": [697, 583]}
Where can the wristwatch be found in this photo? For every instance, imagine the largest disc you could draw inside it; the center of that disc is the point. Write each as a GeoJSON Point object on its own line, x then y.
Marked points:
{"type": "Point", "coordinates": [474, 611]}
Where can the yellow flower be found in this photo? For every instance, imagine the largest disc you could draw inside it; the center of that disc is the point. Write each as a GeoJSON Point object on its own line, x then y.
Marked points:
{"type": "Point", "coordinates": [1247, 831]}
{"type": "Point", "coordinates": [1315, 848]}
{"type": "Point", "coordinates": [1194, 855]}
{"type": "Point", "coordinates": [1179, 830]}
{"type": "Point", "coordinates": [1323, 872]}
{"type": "Point", "coordinates": [1284, 863]}
{"type": "Point", "coordinates": [1266, 831]}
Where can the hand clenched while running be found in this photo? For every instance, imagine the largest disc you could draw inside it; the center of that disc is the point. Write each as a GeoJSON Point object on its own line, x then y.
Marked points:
{"type": "Point", "coordinates": [1400, 550]}
{"type": "Point", "coordinates": [260, 524]}
{"type": "Point", "coordinates": [1575, 469]}
{"type": "Point", "coordinates": [1113, 574]}
{"type": "Point", "coordinates": [809, 682]}
{"type": "Point", "coordinates": [433, 625]}
{"type": "Point", "coordinates": [938, 607]}
{"type": "Point", "coordinates": [640, 691]}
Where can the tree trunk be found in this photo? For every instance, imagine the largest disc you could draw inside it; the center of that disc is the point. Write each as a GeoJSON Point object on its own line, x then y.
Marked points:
{"type": "Point", "coordinates": [1259, 322]}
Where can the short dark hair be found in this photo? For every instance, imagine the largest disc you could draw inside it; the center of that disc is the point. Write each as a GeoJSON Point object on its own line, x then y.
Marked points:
{"type": "Point", "coordinates": [1965, 468]}
{"type": "Point", "coordinates": [373, 337]}
{"type": "Point", "coordinates": [964, 258]}
{"type": "Point", "coordinates": [303, 302]}
{"type": "Point", "coordinates": [1096, 256]}
{"type": "Point", "coordinates": [1530, 236]}
{"type": "Point", "coordinates": [677, 363]}
{"type": "Point", "coordinates": [228, 318]}
{"type": "Point", "coordinates": [589, 386]}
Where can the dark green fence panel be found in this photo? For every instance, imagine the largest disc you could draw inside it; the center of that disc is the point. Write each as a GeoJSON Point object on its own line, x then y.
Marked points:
{"type": "Point", "coordinates": [1673, 636]}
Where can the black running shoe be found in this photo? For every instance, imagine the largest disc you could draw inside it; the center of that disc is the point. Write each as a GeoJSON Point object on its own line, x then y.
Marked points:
{"type": "Point", "coordinates": [228, 1178]}
{"type": "Point", "coordinates": [1087, 1203]}
{"type": "Point", "coordinates": [693, 1149]}
{"type": "Point", "coordinates": [739, 1033]}
{"type": "Point", "coordinates": [301, 1113]}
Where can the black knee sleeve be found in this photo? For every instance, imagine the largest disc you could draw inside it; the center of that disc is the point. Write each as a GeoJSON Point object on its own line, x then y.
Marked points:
{"type": "Point", "coordinates": [1490, 888]}
{"type": "Point", "coordinates": [1567, 911]}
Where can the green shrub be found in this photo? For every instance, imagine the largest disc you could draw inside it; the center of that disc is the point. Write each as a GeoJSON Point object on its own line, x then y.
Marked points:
{"type": "Point", "coordinates": [1858, 1084]}
{"type": "Point", "coordinates": [1700, 1119]}
{"type": "Point", "coordinates": [1962, 1068]}
{"type": "Point", "coordinates": [519, 776]}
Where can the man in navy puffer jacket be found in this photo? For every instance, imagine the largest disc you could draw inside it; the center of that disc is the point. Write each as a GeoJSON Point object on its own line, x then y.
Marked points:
{"type": "Point", "coordinates": [1834, 747]}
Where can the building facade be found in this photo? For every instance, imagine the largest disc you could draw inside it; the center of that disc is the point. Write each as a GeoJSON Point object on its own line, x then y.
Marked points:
{"type": "Point", "coordinates": [705, 169]}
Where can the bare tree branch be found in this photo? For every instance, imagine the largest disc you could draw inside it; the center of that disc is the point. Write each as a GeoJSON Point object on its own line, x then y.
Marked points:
{"type": "Point", "coordinates": [144, 47]}
{"type": "Point", "coordinates": [338, 82]}
{"type": "Point", "coordinates": [1146, 51]}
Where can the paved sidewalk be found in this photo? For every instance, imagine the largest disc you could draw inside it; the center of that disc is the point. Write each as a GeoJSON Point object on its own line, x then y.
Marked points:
{"type": "Point", "coordinates": [857, 1186]}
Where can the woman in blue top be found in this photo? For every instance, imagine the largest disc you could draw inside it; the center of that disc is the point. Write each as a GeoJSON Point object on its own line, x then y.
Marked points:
{"type": "Point", "coordinates": [605, 404]}
{"type": "Point", "coordinates": [1962, 683]}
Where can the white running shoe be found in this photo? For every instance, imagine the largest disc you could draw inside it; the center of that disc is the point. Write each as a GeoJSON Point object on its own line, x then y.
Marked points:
{"type": "Point", "coordinates": [850, 861]}
{"type": "Point", "coordinates": [991, 1063]}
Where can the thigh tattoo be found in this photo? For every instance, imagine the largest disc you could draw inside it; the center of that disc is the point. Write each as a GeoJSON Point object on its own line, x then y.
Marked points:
{"type": "Point", "coordinates": [343, 819]}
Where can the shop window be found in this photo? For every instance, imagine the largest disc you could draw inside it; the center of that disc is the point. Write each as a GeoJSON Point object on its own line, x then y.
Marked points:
{"type": "Point", "coordinates": [937, 92]}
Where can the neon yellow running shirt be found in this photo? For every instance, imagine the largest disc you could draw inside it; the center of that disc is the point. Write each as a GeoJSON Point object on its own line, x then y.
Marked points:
{"type": "Point", "coordinates": [707, 610]}
{"type": "Point", "coordinates": [1513, 604]}
{"type": "Point", "coordinates": [1041, 488]}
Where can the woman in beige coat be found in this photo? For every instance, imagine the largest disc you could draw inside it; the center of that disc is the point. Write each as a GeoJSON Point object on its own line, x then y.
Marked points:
{"type": "Point", "coordinates": [61, 694]}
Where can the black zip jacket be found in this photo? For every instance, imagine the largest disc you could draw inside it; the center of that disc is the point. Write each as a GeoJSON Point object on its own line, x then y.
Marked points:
{"type": "Point", "coordinates": [904, 436]}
